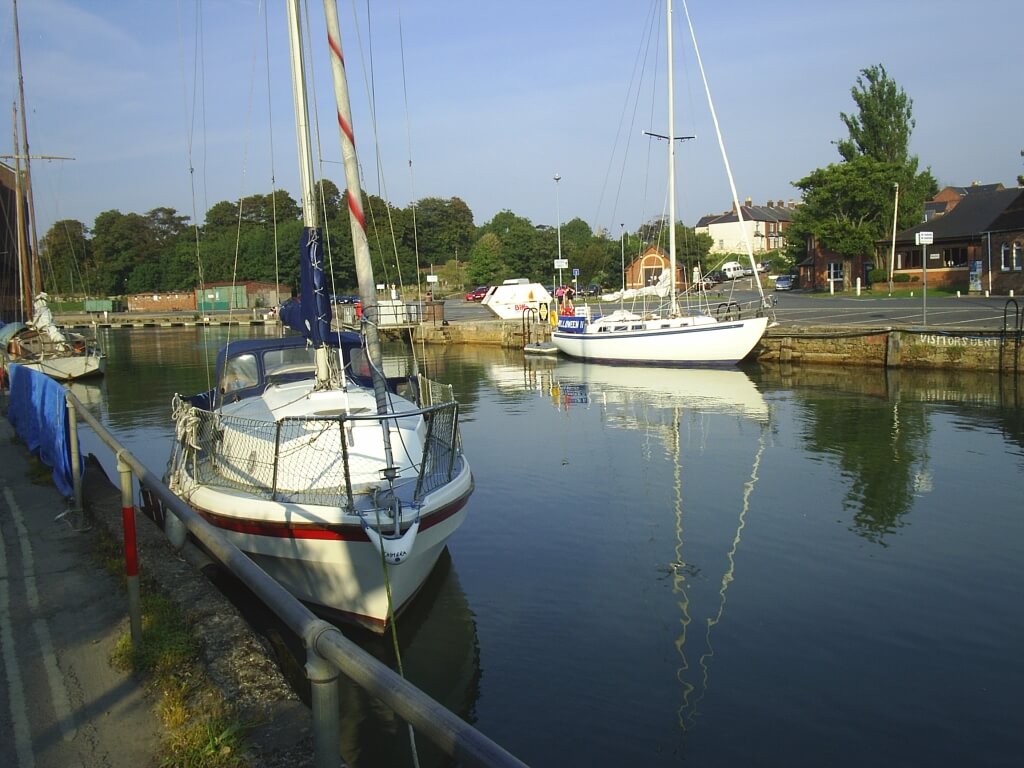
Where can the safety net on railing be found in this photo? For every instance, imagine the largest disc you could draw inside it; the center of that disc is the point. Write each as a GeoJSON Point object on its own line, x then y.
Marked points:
{"type": "Point", "coordinates": [320, 460]}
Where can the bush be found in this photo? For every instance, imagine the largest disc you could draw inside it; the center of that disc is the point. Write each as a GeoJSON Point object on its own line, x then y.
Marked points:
{"type": "Point", "coordinates": [878, 276]}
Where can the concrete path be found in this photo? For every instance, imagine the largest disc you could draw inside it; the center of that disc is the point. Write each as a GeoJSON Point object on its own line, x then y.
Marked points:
{"type": "Point", "coordinates": [61, 703]}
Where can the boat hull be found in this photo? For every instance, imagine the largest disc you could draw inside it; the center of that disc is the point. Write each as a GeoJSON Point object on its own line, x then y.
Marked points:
{"type": "Point", "coordinates": [322, 555]}
{"type": "Point", "coordinates": [68, 368]}
{"type": "Point", "coordinates": [665, 342]}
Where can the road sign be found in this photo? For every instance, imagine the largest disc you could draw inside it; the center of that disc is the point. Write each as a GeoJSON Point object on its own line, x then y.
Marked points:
{"type": "Point", "coordinates": [924, 238]}
{"type": "Point", "coordinates": [575, 273]}
{"type": "Point", "coordinates": [561, 263]}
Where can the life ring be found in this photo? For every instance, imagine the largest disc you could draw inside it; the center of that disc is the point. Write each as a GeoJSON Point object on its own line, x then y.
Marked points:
{"type": "Point", "coordinates": [542, 312]}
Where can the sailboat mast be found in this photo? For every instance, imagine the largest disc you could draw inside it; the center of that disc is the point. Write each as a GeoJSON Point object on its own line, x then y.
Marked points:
{"type": "Point", "coordinates": [671, 167]}
{"type": "Point", "coordinates": [356, 215]}
{"type": "Point", "coordinates": [35, 272]}
{"type": "Point", "coordinates": [309, 209]}
{"type": "Point", "coordinates": [310, 247]}
{"type": "Point", "coordinates": [24, 289]}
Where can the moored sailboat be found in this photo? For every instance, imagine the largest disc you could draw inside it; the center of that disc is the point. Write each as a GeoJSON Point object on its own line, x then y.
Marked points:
{"type": "Point", "coordinates": [38, 343]}
{"type": "Point", "coordinates": [672, 335]}
{"type": "Point", "coordinates": [342, 484]}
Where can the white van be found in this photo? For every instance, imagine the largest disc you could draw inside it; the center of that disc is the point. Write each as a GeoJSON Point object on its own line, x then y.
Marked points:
{"type": "Point", "coordinates": [732, 270]}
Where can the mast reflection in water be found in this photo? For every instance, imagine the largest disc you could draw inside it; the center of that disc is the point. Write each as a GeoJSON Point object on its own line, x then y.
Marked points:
{"type": "Point", "coordinates": [783, 567]}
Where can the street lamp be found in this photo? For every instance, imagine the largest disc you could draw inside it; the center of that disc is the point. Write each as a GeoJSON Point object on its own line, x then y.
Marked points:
{"type": "Point", "coordinates": [558, 226]}
{"type": "Point", "coordinates": [892, 253]}
{"type": "Point", "coordinates": [622, 244]}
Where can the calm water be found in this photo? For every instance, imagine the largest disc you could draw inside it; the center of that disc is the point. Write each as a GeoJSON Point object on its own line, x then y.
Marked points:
{"type": "Point", "coordinates": [705, 568]}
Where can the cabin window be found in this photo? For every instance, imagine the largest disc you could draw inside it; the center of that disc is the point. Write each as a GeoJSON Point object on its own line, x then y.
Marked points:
{"type": "Point", "coordinates": [240, 373]}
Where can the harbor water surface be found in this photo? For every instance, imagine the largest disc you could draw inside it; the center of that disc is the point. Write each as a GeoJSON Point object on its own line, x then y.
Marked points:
{"type": "Point", "coordinates": [758, 567]}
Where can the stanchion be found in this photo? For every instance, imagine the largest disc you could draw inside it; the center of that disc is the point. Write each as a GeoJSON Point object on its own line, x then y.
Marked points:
{"type": "Point", "coordinates": [325, 701]}
{"type": "Point", "coordinates": [131, 552]}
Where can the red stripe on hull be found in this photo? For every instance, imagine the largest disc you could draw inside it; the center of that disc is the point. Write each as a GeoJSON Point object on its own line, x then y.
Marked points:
{"type": "Point", "coordinates": [286, 530]}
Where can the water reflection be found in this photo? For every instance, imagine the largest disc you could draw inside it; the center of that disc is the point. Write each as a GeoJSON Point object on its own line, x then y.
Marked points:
{"type": "Point", "coordinates": [438, 652]}
{"type": "Point", "coordinates": [673, 405]}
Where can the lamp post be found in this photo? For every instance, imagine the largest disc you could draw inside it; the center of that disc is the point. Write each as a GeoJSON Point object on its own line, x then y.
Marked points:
{"type": "Point", "coordinates": [892, 253]}
{"type": "Point", "coordinates": [622, 245]}
{"type": "Point", "coordinates": [558, 227]}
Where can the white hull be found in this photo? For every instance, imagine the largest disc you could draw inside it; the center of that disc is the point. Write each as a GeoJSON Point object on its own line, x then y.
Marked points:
{"type": "Point", "coordinates": [515, 298]}
{"type": "Point", "coordinates": [696, 340]}
{"type": "Point", "coordinates": [68, 368]}
{"type": "Point", "coordinates": [300, 479]}
{"type": "Point", "coordinates": [323, 557]}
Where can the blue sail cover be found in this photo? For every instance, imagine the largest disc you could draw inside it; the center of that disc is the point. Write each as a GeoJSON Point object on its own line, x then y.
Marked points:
{"type": "Point", "coordinates": [310, 315]}
{"type": "Point", "coordinates": [39, 414]}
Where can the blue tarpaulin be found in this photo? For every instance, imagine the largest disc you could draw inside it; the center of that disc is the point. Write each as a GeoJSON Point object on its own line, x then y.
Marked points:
{"type": "Point", "coordinates": [39, 414]}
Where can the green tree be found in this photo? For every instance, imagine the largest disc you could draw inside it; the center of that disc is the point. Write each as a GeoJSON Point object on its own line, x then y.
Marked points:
{"type": "Point", "coordinates": [882, 126]}
{"type": "Point", "coordinates": [120, 243]}
{"type": "Point", "coordinates": [486, 264]}
{"type": "Point", "coordinates": [848, 206]}
{"type": "Point", "coordinates": [521, 247]}
{"type": "Point", "coordinates": [66, 253]}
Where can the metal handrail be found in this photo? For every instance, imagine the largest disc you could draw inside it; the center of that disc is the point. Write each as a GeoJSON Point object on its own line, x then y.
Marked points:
{"type": "Point", "coordinates": [328, 649]}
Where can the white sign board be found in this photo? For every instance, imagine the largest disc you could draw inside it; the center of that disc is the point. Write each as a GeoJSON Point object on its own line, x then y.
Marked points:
{"type": "Point", "coordinates": [924, 238]}
{"type": "Point", "coordinates": [561, 263]}
{"type": "Point", "coordinates": [431, 278]}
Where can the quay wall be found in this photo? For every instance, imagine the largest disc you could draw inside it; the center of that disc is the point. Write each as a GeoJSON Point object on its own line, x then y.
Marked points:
{"type": "Point", "coordinates": [889, 347]}
{"type": "Point", "coordinates": [938, 348]}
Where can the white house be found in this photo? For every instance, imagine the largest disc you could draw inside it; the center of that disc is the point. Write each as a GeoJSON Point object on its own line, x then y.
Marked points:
{"type": "Point", "coordinates": [765, 226]}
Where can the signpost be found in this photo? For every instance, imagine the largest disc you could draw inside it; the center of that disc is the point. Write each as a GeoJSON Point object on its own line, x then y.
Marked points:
{"type": "Point", "coordinates": [561, 264]}
{"type": "Point", "coordinates": [924, 239]}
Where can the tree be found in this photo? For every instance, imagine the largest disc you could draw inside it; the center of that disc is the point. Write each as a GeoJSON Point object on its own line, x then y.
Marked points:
{"type": "Point", "coordinates": [848, 206]}
{"type": "Point", "coordinates": [65, 249]}
{"type": "Point", "coordinates": [486, 265]}
{"type": "Point", "coordinates": [882, 126]}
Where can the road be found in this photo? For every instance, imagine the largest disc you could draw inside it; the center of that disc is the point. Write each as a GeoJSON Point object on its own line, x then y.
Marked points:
{"type": "Point", "coordinates": [802, 308]}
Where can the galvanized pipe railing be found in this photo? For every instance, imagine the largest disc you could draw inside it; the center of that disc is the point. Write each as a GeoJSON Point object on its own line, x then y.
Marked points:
{"type": "Point", "coordinates": [327, 648]}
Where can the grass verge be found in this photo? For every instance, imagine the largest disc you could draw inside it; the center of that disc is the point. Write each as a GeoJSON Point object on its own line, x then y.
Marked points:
{"type": "Point", "coordinates": [201, 729]}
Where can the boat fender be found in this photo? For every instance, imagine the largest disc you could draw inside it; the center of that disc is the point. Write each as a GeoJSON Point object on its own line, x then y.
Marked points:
{"type": "Point", "coordinates": [394, 549]}
{"type": "Point", "coordinates": [175, 530]}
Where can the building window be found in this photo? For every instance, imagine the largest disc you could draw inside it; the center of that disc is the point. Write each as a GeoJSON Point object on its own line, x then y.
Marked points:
{"type": "Point", "coordinates": [1004, 257]}
{"type": "Point", "coordinates": [1017, 256]}
{"type": "Point", "coordinates": [954, 257]}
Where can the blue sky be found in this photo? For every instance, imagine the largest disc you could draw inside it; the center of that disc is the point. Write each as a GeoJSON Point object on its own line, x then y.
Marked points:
{"type": "Point", "coordinates": [496, 98]}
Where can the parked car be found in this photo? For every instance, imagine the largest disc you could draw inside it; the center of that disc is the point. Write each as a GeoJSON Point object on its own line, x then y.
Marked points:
{"type": "Point", "coordinates": [715, 276]}
{"type": "Point", "coordinates": [784, 283]}
{"type": "Point", "coordinates": [594, 290]}
{"type": "Point", "coordinates": [345, 299]}
{"type": "Point", "coordinates": [478, 293]}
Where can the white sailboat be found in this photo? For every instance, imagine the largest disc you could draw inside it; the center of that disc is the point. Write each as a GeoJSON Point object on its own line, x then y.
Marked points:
{"type": "Point", "coordinates": [340, 483]}
{"type": "Point", "coordinates": [674, 335]}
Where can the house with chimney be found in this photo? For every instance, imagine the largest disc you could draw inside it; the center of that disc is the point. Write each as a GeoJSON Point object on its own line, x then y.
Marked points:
{"type": "Point", "coordinates": [765, 227]}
